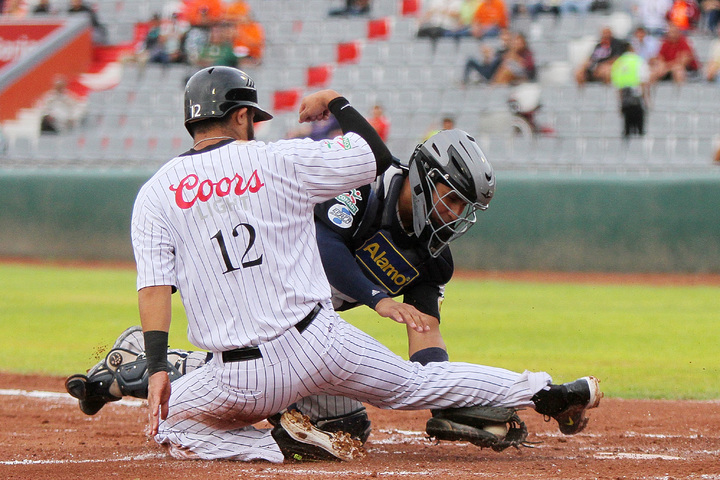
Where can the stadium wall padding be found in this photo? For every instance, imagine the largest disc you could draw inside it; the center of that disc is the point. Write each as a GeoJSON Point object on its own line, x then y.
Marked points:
{"type": "Point", "coordinates": [535, 222]}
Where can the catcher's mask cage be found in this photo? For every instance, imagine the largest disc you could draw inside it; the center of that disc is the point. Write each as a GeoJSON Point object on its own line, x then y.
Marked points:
{"type": "Point", "coordinates": [453, 158]}
{"type": "Point", "coordinates": [214, 92]}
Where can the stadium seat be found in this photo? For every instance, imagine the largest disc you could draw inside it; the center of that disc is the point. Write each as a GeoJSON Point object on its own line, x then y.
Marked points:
{"type": "Point", "coordinates": [319, 76]}
{"type": "Point", "coordinates": [348, 52]}
{"type": "Point", "coordinates": [378, 29]}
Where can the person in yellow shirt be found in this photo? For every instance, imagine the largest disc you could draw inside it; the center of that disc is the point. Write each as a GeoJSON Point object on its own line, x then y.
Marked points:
{"type": "Point", "coordinates": [630, 74]}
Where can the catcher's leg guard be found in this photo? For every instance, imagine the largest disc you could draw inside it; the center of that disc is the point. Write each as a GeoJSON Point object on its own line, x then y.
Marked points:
{"type": "Point", "coordinates": [93, 395]}
{"type": "Point", "coordinates": [123, 373]}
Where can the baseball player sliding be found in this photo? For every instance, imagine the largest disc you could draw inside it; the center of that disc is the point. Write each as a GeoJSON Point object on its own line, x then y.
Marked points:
{"type": "Point", "coordinates": [251, 279]}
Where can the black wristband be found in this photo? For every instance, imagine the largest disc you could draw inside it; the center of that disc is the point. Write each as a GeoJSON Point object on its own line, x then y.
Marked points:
{"type": "Point", "coordinates": [156, 344]}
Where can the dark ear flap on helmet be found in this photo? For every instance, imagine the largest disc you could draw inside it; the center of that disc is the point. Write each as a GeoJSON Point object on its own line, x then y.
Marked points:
{"type": "Point", "coordinates": [214, 92]}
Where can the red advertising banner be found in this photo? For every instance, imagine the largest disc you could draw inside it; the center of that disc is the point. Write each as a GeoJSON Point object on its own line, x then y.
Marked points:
{"type": "Point", "coordinates": [16, 40]}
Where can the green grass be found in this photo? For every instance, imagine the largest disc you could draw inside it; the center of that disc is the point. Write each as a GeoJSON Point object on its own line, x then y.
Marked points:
{"type": "Point", "coordinates": [641, 341]}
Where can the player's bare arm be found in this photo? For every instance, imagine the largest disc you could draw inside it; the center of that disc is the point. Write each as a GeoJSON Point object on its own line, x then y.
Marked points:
{"type": "Point", "coordinates": [431, 338]}
{"type": "Point", "coordinates": [404, 313]}
{"type": "Point", "coordinates": [314, 107]}
{"type": "Point", "coordinates": [155, 305]}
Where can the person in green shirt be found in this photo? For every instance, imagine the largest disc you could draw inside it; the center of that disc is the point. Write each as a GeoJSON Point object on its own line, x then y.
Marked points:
{"type": "Point", "coordinates": [219, 49]}
{"type": "Point", "coordinates": [630, 75]}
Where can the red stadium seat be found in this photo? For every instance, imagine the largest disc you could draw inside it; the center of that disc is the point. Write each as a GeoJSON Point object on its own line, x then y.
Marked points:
{"type": "Point", "coordinates": [286, 100]}
{"type": "Point", "coordinates": [378, 29]}
{"type": "Point", "coordinates": [319, 76]}
{"type": "Point", "coordinates": [348, 52]}
{"type": "Point", "coordinates": [410, 7]}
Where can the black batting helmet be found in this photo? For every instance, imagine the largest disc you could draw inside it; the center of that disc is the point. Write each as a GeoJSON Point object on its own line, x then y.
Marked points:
{"type": "Point", "coordinates": [214, 92]}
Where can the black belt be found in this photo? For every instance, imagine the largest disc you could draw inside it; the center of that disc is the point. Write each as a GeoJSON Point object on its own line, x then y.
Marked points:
{"type": "Point", "coordinates": [252, 353]}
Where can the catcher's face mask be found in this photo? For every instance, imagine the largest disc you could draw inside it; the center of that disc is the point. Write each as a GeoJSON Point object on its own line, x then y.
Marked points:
{"type": "Point", "coordinates": [450, 215]}
{"type": "Point", "coordinates": [450, 181]}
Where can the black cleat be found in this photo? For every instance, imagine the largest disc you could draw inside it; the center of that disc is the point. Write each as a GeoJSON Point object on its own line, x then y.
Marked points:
{"type": "Point", "coordinates": [299, 440]}
{"type": "Point", "coordinates": [568, 402]}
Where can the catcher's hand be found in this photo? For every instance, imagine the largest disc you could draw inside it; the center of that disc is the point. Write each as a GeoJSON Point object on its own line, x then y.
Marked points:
{"type": "Point", "coordinates": [487, 427]}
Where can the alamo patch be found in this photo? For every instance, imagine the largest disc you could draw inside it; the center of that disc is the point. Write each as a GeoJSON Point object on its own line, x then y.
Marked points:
{"type": "Point", "coordinates": [380, 257]}
{"type": "Point", "coordinates": [340, 216]}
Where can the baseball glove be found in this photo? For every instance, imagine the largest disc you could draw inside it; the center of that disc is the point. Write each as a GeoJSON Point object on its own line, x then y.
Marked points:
{"type": "Point", "coordinates": [487, 427]}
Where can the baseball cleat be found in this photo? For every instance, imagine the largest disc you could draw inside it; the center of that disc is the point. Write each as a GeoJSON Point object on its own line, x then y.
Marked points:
{"type": "Point", "coordinates": [568, 402]}
{"type": "Point", "coordinates": [92, 396]}
{"type": "Point", "coordinates": [299, 440]}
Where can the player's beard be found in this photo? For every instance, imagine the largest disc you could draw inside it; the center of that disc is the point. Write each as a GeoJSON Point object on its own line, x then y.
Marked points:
{"type": "Point", "coordinates": [250, 131]}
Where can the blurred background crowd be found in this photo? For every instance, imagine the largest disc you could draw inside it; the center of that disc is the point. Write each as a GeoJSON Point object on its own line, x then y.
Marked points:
{"type": "Point", "coordinates": [630, 48]}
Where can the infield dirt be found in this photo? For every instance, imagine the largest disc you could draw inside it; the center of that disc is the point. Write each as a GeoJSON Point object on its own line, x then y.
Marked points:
{"type": "Point", "coordinates": [45, 436]}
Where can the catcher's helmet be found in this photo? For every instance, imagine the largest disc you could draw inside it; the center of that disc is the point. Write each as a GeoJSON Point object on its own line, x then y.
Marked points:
{"type": "Point", "coordinates": [214, 92]}
{"type": "Point", "coordinates": [455, 159]}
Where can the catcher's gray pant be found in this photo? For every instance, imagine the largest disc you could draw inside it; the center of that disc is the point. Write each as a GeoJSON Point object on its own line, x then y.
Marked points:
{"type": "Point", "coordinates": [212, 408]}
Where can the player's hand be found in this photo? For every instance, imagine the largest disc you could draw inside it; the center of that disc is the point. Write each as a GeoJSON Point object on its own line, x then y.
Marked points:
{"type": "Point", "coordinates": [314, 107]}
{"type": "Point", "coordinates": [404, 313]}
{"type": "Point", "coordinates": [158, 400]}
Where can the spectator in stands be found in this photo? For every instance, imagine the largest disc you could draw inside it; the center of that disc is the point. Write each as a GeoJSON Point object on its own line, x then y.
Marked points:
{"type": "Point", "coordinates": [537, 7]}
{"type": "Point", "coordinates": [487, 67]}
{"type": "Point", "coordinates": [575, 6]}
{"type": "Point", "coordinates": [467, 12]}
{"type": "Point", "coordinates": [675, 59]}
{"type": "Point", "coordinates": [237, 10]}
{"type": "Point", "coordinates": [712, 66]}
{"type": "Point", "coordinates": [518, 63]}
{"type": "Point", "coordinates": [43, 7]}
{"type": "Point", "coordinates": [379, 122]}
{"type": "Point", "coordinates": [597, 67]}
{"type": "Point", "coordinates": [711, 8]}
{"type": "Point", "coordinates": [489, 19]}
{"type": "Point", "coordinates": [203, 13]}
{"type": "Point", "coordinates": [352, 7]}
{"type": "Point", "coordinates": [153, 49]}
{"type": "Point", "coordinates": [14, 8]}
{"type": "Point", "coordinates": [644, 45]}
{"type": "Point", "coordinates": [99, 30]}
{"type": "Point", "coordinates": [61, 111]}
{"type": "Point", "coordinates": [652, 14]}
{"type": "Point", "coordinates": [174, 32]}
{"type": "Point", "coordinates": [441, 18]}
{"type": "Point", "coordinates": [685, 14]}
{"type": "Point", "coordinates": [447, 123]}
{"type": "Point", "coordinates": [220, 48]}
{"type": "Point", "coordinates": [630, 75]}
{"type": "Point", "coordinates": [249, 40]}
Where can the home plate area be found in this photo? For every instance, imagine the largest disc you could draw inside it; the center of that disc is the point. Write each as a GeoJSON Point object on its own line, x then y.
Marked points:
{"type": "Point", "coordinates": [46, 436]}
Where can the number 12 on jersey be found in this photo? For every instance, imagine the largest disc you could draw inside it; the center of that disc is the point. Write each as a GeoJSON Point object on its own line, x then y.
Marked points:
{"type": "Point", "coordinates": [224, 253]}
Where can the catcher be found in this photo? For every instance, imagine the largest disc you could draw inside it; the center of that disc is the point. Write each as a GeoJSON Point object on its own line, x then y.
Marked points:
{"type": "Point", "coordinates": [378, 242]}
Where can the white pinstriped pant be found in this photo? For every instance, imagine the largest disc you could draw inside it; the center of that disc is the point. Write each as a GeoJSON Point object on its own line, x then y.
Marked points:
{"type": "Point", "coordinates": [212, 408]}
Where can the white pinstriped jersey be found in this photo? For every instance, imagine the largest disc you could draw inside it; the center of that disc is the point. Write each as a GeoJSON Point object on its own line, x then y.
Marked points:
{"type": "Point", "coordinates": [243, 257]}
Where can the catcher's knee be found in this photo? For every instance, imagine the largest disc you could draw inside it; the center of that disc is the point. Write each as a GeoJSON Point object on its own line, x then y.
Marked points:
{"type": "Point", "coordinates": [357, 424]}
